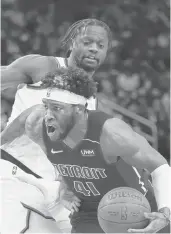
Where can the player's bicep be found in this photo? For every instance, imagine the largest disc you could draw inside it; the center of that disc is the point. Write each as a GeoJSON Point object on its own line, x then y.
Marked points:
{"type": "Point", "coordinates": [116, 137]}
{"type": "Point", "coordinates": [11, 77]}
{"type": "Point", "coordinates": [146, 156]}
{"type": "Point", "coordinates": [132, 147]}
{"type": "Point", "coordinates": [23, 70]}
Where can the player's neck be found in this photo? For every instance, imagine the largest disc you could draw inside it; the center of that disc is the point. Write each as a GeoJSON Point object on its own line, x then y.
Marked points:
{"type": "Point", "coordinates": [78, 132]}
{"type": "Point", "coordinates": [71, 63]}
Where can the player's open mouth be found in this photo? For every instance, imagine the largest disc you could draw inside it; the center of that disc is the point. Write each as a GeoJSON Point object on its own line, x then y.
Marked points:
{"type": "Point", "coordinates": [50, 129]}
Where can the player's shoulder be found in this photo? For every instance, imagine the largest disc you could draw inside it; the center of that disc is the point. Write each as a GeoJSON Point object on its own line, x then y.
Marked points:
{"type": "Point", "coordinates": [117, 125]}
{"type": "Point", "coordinates": [97, 115]}
{"type": "Point", "coordinates": [119, 134]}
{"type": "Point", "coordinates": [96, 119]}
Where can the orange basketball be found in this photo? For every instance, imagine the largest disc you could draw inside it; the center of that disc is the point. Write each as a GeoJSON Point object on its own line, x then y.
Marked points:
{"type": "Point", "coordinates": [123, 208]}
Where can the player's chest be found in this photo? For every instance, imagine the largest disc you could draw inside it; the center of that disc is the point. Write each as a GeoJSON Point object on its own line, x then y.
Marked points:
{"type": "Point", "coordinates": [86, 154]}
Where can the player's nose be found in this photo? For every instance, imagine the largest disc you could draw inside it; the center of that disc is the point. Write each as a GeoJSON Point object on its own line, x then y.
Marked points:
{"type": "Point", "coordinates": [93, 48]}
{"type": "Point", "coordinates": [49, 116]}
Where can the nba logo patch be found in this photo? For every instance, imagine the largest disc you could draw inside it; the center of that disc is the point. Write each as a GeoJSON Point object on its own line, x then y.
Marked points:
{"type": "Point", "coordinates": [87, 153]}
{"type": "Point", "coordinates": [14, 170]}
{"type": "Point", "coordinates": [48, 92]}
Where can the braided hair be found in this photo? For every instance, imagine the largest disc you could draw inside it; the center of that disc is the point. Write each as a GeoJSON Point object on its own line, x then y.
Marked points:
{"type": "Point", "coordinates": [75, 29]}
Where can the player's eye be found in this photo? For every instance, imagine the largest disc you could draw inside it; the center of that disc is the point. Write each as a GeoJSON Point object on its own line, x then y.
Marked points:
{"type": "Point", "coordinates": [57, 108]}
{"type": "Point", "coordinates": [101, 46]}
{"type": "Point", "coordinates": [86, 42]}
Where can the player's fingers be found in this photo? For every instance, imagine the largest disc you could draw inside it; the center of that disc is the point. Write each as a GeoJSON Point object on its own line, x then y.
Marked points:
{"type": "Point", "coordinates": [136, 231]}
{"type": "Point", "coordinates": [76, 199]}
{"type": "Point", "coordinates": [69, 195]}
{"type": "Point", "coordinates": [77, 203]}
{"type": "Point", "coordinates": [68, 205]}
{"type": "Point", "coordinates": [149, 229]}
{"type": "Point", "coordinates": [153, 215]}
{"type": "Point", "coordinates": [72, 210]}
{"type": "Point", "coordinates": [74, 206]}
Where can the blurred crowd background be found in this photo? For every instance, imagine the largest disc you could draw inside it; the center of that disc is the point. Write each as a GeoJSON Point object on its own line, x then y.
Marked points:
{"type": "Point", "coordinates": [136, 73]}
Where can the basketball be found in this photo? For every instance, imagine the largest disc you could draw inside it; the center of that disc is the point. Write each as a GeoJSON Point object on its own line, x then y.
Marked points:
{"type": "Point", "coordinates": [123, 208]}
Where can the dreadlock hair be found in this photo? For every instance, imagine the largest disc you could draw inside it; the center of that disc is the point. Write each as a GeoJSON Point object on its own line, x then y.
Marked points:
{"type": "Point", "coordinates": [75, 29]}
{"type": "Point", "coordinates": [75, 80]}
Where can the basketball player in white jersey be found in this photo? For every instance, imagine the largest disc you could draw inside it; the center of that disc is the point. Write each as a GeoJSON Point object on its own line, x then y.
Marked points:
{"type": "Point", "coordinates": [87, 43]}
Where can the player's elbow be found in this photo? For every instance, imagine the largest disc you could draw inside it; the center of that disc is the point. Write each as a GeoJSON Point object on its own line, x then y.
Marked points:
{"type": "Point", "coordinates": [159, 161]}
{"type": "Point", "coordinates": [153, 159]}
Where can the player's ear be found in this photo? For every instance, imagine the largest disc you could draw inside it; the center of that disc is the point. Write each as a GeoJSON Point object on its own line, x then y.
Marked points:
{"type": "Point", "coordinates": [72, 44]}
{"type": "Point", "coordinates": [79, 109]}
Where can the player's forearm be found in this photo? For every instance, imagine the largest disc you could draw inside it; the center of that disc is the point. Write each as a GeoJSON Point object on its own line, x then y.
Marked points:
{"type": "Point", "coordinates": [11, 78]}
{"type": "Point", "coordinates": [56, 208]}
{"type": "Point", "coordinates": [161, 180]}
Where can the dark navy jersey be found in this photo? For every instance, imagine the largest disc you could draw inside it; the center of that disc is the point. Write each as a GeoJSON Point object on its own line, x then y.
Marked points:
{"type": "Point", "coordinates": [84, 169]}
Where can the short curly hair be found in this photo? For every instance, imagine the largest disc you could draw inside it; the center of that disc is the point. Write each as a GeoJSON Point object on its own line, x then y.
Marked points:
{"type": "Point", "coordinates": [75, 80]}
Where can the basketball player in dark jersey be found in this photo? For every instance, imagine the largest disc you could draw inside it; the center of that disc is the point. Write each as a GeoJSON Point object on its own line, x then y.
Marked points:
{"type": "Point", "coordinates": [92, 151]}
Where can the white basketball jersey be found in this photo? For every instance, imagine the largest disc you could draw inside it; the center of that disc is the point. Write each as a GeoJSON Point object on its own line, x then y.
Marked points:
{"type": "Point", "coordinates": [22, 206]}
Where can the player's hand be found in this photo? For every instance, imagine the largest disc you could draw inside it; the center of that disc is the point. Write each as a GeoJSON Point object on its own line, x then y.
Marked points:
{"type": "Point", "coordinates": [69, 200]}
{"type": "Point", "coordinates": [157, 222]}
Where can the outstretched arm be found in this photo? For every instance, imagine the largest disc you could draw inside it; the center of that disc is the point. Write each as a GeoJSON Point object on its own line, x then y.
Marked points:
{"type": "Point", "coordinates": [119, 138]}
{"type": "Point", "coordinates": [27, 69]}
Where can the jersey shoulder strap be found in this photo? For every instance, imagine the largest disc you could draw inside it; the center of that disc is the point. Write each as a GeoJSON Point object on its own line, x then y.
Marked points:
{"type": "Point", "coordinates": [60, 61]}
{"type": "Point", "coordinates": [92, 103]}
{"type": "Point", "coordinates": [96, 120]}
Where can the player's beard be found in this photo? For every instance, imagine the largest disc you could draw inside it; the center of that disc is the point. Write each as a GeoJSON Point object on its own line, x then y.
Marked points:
{"type": "Point", "coordinates": [79, 60]}
{"type": "Point", "coordinates": [62, 129]}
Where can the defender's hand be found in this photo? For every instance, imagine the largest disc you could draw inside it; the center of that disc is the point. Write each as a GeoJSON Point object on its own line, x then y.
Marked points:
{"type": "Point", "coordinates": [69, 200]}
{"type": "Point", "coordinates": [157, 222]}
